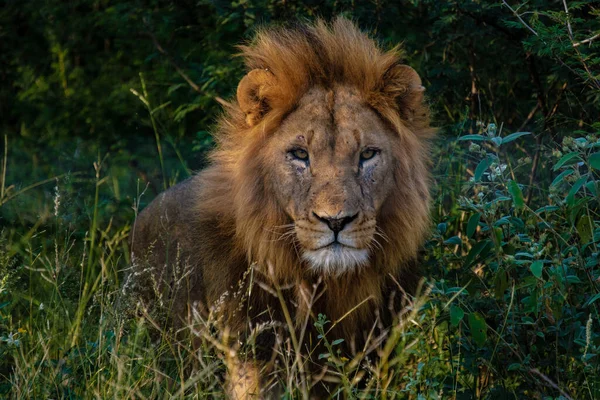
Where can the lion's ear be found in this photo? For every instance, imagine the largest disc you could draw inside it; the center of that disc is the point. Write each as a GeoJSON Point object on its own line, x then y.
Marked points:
{"type": "Point", "coordinates": [253, 94]}
{"type": "Point", "coordinates": [404, 84]}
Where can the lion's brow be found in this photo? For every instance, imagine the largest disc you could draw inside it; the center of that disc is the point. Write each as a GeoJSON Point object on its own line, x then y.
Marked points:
{"type": "Point", "coordinates": [309, 136]}
{"type": "Point", "coordinates": [350, 141]}
{"type": "Point", "coordinates": [357, 137]}
{"type": "Point", "coordinates": [330, 97]}
{"type": "Point", "coordinates": [332, 138]}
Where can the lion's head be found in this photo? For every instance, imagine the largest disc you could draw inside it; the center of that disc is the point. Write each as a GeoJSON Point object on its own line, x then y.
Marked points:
{"type": "Point", "coordinates": [328, 146]}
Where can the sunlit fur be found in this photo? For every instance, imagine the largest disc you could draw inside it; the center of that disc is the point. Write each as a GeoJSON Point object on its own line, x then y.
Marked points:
{"type": "Point", "coordinates": [229, 216]}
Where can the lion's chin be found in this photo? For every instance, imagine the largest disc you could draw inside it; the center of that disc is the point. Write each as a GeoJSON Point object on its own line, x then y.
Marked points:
{"type": "Point", "coordinates": [336, 259]}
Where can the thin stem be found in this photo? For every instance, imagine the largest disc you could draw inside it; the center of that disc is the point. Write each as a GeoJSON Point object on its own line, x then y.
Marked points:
{"type": "Point", "coordinates": [175, 65]}
{"type": "Point", "coordinates": [588, 40]}
{"type": "Point", "coordinates": [516, 14]}
{"type": "Point", "coordinates": [156, 134]}
{"type": "Point", "coordinates": [4, 169]}
{"type": "Point", "coordinates": [295, 343]}
{"type": "Point", "coordinates": [87, 289]}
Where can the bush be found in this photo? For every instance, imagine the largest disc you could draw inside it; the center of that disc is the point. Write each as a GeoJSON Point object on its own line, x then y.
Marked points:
{"type": "Point", "coordinates": [97, 120]}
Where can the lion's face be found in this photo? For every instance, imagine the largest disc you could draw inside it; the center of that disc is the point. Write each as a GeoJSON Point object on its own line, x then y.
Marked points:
{"type": "Point", "coordinates": [331, 134]}
{"type": "Point", "coordinates": [332, 170]}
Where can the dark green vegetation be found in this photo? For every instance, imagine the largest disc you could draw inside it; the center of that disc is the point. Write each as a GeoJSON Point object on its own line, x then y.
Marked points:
{"type": "Point", "coordinates": [103, 100]}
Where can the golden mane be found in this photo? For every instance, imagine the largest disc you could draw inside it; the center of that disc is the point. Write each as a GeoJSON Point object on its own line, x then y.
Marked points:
{"type": "Point", "coordinates": [323, 54]}
{"type": "Point", "coordinates": [302, 57]}
{"type": "Point", "coordinates": [228, 217]}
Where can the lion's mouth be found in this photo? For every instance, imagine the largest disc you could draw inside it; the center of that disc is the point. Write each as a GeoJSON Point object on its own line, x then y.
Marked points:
{"type": "Point", "coordinates": [336, 258]}
{"type": "Point", "coordinates": [336, 246]}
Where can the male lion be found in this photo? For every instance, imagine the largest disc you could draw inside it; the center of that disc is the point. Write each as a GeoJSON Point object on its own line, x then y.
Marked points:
{"type": "Point", "coordinates": [319, 180]}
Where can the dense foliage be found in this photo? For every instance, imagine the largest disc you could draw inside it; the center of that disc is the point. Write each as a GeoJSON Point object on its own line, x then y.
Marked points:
{"type": "Point", "coordinates": [103, 104]}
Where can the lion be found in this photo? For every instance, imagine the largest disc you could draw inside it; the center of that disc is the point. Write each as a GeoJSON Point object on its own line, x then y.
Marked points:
{"type": "Point", "coordinates": [320, 178]}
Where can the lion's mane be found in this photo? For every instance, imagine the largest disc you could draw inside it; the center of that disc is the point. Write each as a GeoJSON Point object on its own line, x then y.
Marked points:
{"type": "Point", "coordinates": [234, 211]}
{"type": "Point", "coordinates": [325, 55]}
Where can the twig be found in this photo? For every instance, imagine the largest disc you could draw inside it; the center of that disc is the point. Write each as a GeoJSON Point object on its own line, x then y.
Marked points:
{"type": "Point", "coordinates": [536, 162]}
{"type": "Point", "coordinates": [294, 339]}
{"type": "Point", "coordinates": [549, 382]}
{"type": "Point", "coordinates": [575, 45]}
{"type": "Point", "coordinates": [4, 162]}
{"type": "Point", "coordinates": [474, 96]}
{"type": "Point", "coordinates": [596, 36]}
{"type": "Point", "coordinates": [581, 59]}
{"type": "Point", "coordinates": [568, 20]}
{"type": "Point", "coordinates": [34, 185]}
{"type": "Point", "coordinates": [529, 116]}
{"type": "Point", "coordinates": [535, 78]}
{"type": "Point", "coordinates": [483, 20]}
{"type": "Point", "coordinates": [179, 70]}
{"type": "Point", "coordinates": [554, 108]}
{"type": "Point", "coordinates": [519, 17]}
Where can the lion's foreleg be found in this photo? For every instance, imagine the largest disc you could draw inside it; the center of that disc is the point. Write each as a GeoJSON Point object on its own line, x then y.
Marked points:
{"type": "Point", "coordinates": [243, 379]}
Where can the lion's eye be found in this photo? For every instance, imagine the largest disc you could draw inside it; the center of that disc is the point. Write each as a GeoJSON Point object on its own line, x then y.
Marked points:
{"type": "Point", "coordinates": [368, 154]}
{"type": "Point", "coordinates": [300, 154]}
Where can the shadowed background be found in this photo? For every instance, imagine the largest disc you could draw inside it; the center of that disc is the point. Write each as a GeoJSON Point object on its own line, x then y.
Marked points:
{"type": "Point", "coordinates": [103, 100]}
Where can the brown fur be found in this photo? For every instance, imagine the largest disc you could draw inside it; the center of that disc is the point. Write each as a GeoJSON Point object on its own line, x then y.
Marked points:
{"type": "Point", "coordinates": [325, 87]}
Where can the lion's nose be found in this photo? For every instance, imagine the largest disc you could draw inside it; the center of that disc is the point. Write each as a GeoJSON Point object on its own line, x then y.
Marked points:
{"type": "Point", "coordinates": [336, 224]}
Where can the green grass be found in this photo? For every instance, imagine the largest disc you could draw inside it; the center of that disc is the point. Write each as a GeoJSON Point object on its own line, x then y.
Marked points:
{"type": "Point", "coordinates": [509, 307]}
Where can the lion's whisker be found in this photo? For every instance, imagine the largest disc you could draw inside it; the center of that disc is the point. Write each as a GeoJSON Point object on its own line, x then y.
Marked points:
{"type": "Point", "coordinates": [285, 235]}
{"type": "Point", "coordinates": [379, 232]}
{"type": "Point", "coordinates": [283, 226]}
{"type": "Point", "coordinates": [276, 229]}
{"type": "Point", "coordinates": [376, 243]}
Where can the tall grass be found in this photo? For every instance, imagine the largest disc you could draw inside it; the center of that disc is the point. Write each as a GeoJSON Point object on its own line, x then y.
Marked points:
{"type": "Point", "coordinates": [509, 305]}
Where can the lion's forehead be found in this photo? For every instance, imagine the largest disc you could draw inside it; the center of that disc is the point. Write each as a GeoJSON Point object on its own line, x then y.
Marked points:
{"type": "Point", "coordinates": [336, 119]}
{"type": "Point", "coordinates": [323, 102]}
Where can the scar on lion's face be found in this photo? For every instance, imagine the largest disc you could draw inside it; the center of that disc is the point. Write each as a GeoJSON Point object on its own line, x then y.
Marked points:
{"type": "Point", "coordinates": [334, 172]}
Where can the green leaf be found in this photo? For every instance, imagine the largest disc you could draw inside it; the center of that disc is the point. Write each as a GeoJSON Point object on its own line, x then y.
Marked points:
{"type": "Point", "coordinates": [500, 284]}
{"type": "Point", "coordinates": [456, 289]}
{"type": "Point", "coordinates": [505, 220]}
{"type": "Point", "coordinates": [595, 160]}
{"type": "Point", "coordinates": [584, 228]}
{"type": "Point", "coordinates": [324, 355]}
{"type": "Point", "coordinates": [475, 138]}
{"type": "Point", "coordinates": [499, 234]}
{"type": "Point", "coordinates": [337, 341]}
{"type": "Point", "coordinates": [514, 136]}
{"type": "Point", "coordinates": [478, 248]}
{"type": "Point", "coordinates": [478, 328]}
{"type": "Point", "coordinates": [456, 315]}
{"type": "Point", "coordinates": [567, 159]}
{"type": "Point", "coordinates": [514, 367]}
{"type": "Point", "coordinates": [442, 226]}
{"type": "Point", "coordinates": [593, 299]}
{"type": "Point", "coordinates": [482, 167]}
{"type": "Point", "coordinates": [546, 209]}
{"type": "Point", "coordinates": [571, 196]}
{"type": "Point", "coordinates": [592, 188]}
{"type": "Point", "coordinates": [155, 110]}
{"type": "Point", "coordinates": [472, 224]}
{"type": "Point", "coordinates": [561, 177]}
{"type": "Point", "coordinates": [453, 240]}
{"type": "Point", "coordinates": [536, 268]}
{"type": "Point", "coordinates": [524, 254]}
{"type": "Point", "coordinates": [517, 195]}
